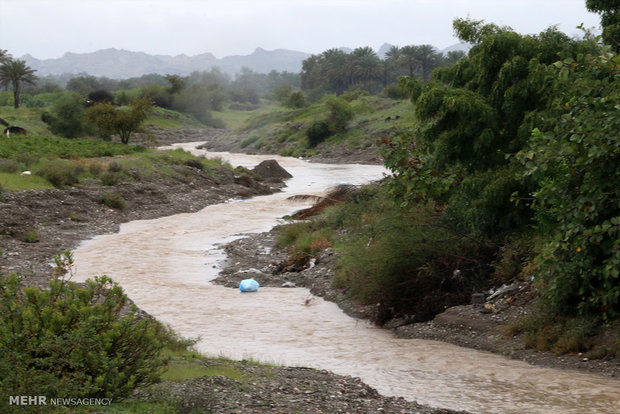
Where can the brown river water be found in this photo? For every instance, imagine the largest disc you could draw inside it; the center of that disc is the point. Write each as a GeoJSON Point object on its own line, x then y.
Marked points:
{"type": "Point", "coordinates": [165, 266]}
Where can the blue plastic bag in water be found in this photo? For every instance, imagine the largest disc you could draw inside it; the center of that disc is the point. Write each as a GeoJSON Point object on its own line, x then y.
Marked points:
{"type": "Point", "coordinates": [248, 285]}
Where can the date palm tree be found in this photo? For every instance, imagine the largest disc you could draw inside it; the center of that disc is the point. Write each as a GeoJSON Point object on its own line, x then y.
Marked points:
{"type": "Point", "coordinates": [15, 73]}
{"type": "Point", "coordinates": [4, 56]}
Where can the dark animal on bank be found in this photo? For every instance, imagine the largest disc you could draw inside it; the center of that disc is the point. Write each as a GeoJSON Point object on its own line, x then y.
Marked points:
{"type": "Point", "coordinates": [14, 130]}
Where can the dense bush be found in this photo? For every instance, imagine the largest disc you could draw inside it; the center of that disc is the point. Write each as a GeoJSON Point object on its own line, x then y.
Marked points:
{"type": "Point", "coordinates": [339, 115]}
{"type": "Point", "coordinates": [61, 173]}
{"type": "Point", "coordinates": [575, 163]}
{"type": "Point", "coordinates": [296, 99]}
{"type": "Point", "coordinates": [408, 261]}
{"type": "Point", "coordinates": [70, 341]}
{"type": "Point", "coordinates": [317, 133]}
{"type": "Point", "coordinates": [66, 117]}
{"type": "Point", "coordinates": [113, 199]}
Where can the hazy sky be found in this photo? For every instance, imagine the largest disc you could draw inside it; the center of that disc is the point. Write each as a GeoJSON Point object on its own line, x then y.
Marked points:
{"type": "Point", "coordinates": [49, 28]}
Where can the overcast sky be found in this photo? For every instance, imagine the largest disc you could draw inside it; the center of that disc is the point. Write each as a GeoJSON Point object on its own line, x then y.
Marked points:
{"type": "Point", "coordinates": [49, 28]}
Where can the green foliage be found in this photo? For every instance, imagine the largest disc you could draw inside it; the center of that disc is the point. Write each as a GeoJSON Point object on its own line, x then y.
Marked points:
{"type": "Point", "coordinates": [408, 261]}
{"type": "Point", "coordinates": [122, 122]}
{"type": "Point", "coordinates": [296, 100]}
{"type": "Point", "coordinates": [61, 173]}
{"type": "Point", "coordinates": [73, 341]}
{"type": "Point", "coordinates": [472, 117]}
{"type": "Point", "coordinates": [30, 235]}
{"type": "Point", "coordinates": [339, 115]}
{"type": "Point", "coordinates": [305, 238]}
{"type": "Point", "coordinates": [610, 20]}
{"type": "Point", "coordinates": [114, 200]}
{"type": "Point", "coordinates": [30, 148]}
{"type": "Point", "coordinates": [66, 117]}
{"type": "Point", "coordinates": [575, 163]}
{"type": "Point", "coordinates": [8, 166]}
{"type": "Point", "coordinates": [474, 153]}
{"type": "Point", "coordinates": [317, 133]}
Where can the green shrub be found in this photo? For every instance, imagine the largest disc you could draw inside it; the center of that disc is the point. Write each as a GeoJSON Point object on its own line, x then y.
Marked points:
{"type": "Point", "coordinates": [340, 113]}
{"type": "Point", "coordinates": [8, 166]}
{"type": "Point", "coordinates": [70, 341]}
{"type": "Point", "coordinates": [113, 199]}
{"type": "Point", "coordinates": [296, 100]}
{"type": "Point", "coordinates": [396, 92]}
{"type": "Point", "coordinates": [30, 235]}
{"type": "Point", "coordinates": [61, 173]}
{"type": "Point", "coordinates": [317, 133]}
{"type": "Point", "coordinates": [67, 117]}
{"type": "Point", "coordinates": [109, 178]}
{"type": "Point", "coordinates": [195, 163]}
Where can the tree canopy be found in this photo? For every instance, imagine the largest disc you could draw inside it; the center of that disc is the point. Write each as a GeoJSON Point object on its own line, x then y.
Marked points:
{"type": "Point", "coordinates": [475, 155]}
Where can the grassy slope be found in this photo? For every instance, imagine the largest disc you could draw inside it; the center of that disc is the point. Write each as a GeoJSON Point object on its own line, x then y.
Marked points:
{"type": "Point", "coordinates": [35, 151]}
{"type": "Point", "coordinates": [282, 130]}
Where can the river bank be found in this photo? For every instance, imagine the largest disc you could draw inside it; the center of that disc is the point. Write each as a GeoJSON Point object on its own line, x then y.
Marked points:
{"type": "Point", "coordinates": [484, 328]}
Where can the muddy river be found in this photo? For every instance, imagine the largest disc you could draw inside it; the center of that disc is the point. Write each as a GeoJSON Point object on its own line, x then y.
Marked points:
{"type": "Point", "coordinates": [165, 265]}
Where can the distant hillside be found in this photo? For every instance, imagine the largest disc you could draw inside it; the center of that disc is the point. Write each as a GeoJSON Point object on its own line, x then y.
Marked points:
{"type": "Point", "coordinates": [123, 64]}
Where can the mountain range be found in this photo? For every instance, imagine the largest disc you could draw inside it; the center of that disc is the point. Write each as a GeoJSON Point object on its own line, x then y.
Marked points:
{"type": "Point", "coordinates": [123, 64]}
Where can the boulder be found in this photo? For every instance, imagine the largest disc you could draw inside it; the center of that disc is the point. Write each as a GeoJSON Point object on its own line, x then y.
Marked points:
{"type": "Point", "coordinates": [270, 169]}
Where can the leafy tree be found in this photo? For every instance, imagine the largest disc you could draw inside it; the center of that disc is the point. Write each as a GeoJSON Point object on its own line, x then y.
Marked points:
{"type": "Point", "coordinates": [474, 115]}
{"type": "Point", "coordinates": [282, 92]}
{"type": "Point", "coordinates": [610, 20]}
{"type": "Point", "coordinates": [577, 201]}
{"type": "Point", "coordinates": [101, 96]}
{"type": "Point", "coordinates": [177, 83]}
{"type": "Point", "coordinates": [366, 66]}
{"type": "Point", "coordinates": [84, 84]}
{"type": "Point", "coordinates": [66, 117]}
{"type": "Point", "coordinates": [15, 73]}
{"type": "Point", "coordinates": [121, 121]}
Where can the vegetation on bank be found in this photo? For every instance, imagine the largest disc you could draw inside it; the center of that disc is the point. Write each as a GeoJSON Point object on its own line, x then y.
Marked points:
{"type": "Point", "coordinates": [512, 165]}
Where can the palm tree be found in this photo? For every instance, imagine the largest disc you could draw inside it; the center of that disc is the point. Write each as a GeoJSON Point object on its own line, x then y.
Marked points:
{"type": "Point", "coordinates": [428, 59]}
{"type": "Point", "coordinates": [409, 56]}
{"type": "Point", "coordinates": [15, 73]}
{"type": "Point", "coordinates": [4, 56]}
{"type": "Point", "coordinates": [365, 65]}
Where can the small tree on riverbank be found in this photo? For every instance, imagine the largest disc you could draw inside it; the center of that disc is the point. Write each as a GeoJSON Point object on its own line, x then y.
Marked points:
{"type": "Point", "coordinates": [120, 121]}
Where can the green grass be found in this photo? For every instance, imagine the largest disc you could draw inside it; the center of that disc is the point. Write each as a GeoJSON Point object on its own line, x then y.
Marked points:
{"type": "Point", "coordinates": [167, 119]}
{"type": "Point", "coordinates": [33, 147]}
{"type": "Point", "coordinates": [237, 120]}
{"type": "Point", "coordinates": [283, 130]}
{"type": "Point", "coordinates": [17, 182]}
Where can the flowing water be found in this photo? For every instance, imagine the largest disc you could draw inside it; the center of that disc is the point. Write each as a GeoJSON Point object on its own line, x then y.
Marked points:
{"type": "Point", "coordinates": [165, 266]}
